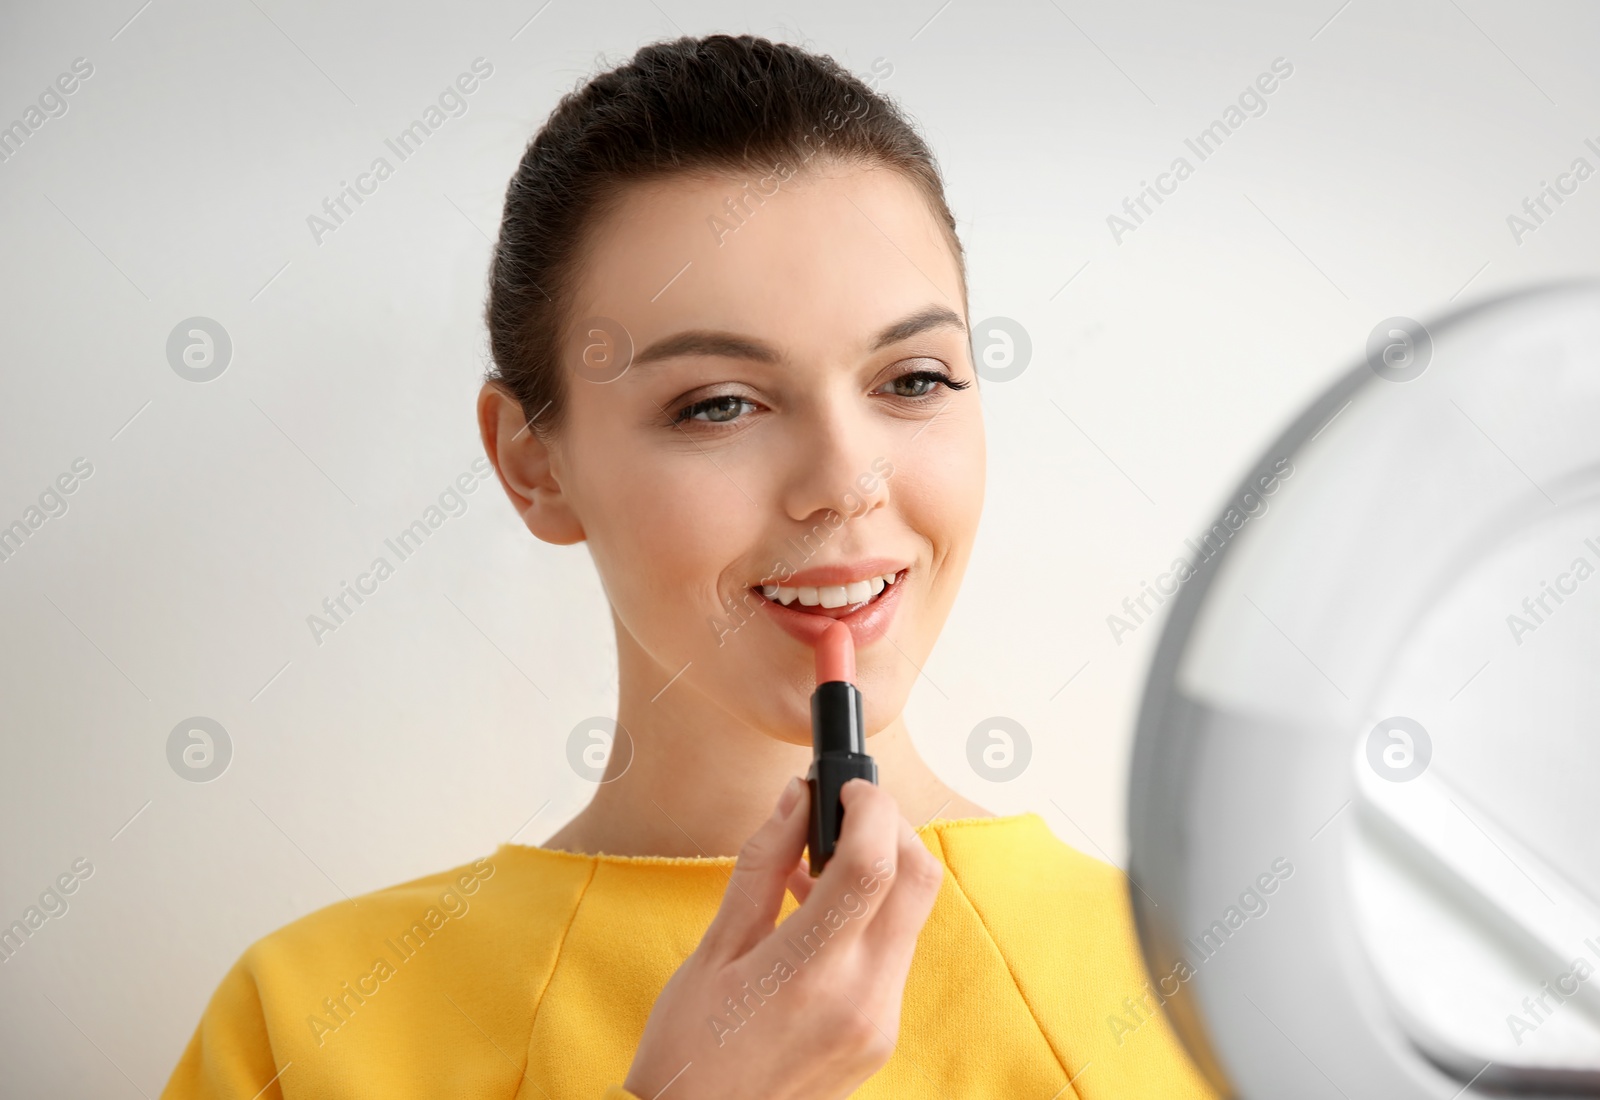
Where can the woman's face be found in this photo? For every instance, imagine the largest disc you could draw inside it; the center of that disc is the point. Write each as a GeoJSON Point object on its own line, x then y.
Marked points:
{"type": "Point", "coordinates": [781, 422]}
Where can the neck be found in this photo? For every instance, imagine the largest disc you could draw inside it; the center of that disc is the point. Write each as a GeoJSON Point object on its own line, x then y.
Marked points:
{"type": "Point", "coordinates": [698, 783]}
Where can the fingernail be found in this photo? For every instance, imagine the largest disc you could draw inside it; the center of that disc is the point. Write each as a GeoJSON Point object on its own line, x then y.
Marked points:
{"type": "Point", "coordinates": [790, 795]}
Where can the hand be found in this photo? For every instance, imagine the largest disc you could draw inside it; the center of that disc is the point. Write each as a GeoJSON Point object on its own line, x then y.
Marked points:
{"type": "Point", "coordinates": [816, 1001]}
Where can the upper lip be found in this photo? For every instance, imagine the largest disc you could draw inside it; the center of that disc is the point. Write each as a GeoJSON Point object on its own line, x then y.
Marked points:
{"type": "Point", "coordinates": [843, 573]}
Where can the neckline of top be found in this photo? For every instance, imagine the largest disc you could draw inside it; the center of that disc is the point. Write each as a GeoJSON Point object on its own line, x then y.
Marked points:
{"type": "Point", "coordinates": [938, 824]}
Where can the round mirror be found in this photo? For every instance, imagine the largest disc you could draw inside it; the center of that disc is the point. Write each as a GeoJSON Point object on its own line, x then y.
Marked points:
{"type": "Point", "coordinates": [1365, 807]}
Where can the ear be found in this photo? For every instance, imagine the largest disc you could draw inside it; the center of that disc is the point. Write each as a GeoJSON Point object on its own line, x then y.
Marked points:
{"type": "Point", "coordinates": [523, 462]}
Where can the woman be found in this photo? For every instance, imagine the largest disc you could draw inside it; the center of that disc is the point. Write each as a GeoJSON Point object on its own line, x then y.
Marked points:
{"type": "Point", "coordinates": [729, 319]}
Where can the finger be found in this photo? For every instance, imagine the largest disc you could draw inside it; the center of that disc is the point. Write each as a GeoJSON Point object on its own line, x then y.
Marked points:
{"type": "Point", "coordinates": [754, 895]}
{"type": "Point", "coordinates": [867, 847]}
{"type": "Point", "coordinates": [801, 882]}
{"type": "Point", "coordinates": [916, 878]}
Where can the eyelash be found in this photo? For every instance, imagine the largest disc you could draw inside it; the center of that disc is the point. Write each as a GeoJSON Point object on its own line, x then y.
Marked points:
{"type": "Point", "coordinates": [688, 412]}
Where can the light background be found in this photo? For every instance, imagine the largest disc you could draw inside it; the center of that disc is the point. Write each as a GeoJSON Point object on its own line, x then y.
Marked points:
{"type": "Point", "coordinates": [433, 724]}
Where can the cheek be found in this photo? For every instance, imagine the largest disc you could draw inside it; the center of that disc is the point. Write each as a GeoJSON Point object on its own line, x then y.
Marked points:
{"type": "Point", "coordinates": [663, 528]}
{"type": "Point", "coordinates": [938, 482]}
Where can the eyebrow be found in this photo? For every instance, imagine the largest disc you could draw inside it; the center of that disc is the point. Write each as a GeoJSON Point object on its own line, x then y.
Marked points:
{"type": "Point", "coordinates": [931, 317]}
{"type": "Point", "coordinates": [731, 345]}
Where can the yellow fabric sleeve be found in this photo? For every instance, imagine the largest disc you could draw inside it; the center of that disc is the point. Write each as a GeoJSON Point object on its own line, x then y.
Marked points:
{"type": "Point", "coordinates": [230, 1053]}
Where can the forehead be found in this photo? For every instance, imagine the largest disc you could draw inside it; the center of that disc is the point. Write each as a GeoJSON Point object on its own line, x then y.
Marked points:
{"type": "Point", "coordinates": [816, 264]}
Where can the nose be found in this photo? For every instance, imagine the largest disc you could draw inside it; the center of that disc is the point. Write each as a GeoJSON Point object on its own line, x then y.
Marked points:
{"type": "Point", "coordinates": [838, 466]}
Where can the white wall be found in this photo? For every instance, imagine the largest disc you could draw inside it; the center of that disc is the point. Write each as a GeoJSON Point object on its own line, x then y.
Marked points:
{"type": "Point", "coordinates": [219, 515]}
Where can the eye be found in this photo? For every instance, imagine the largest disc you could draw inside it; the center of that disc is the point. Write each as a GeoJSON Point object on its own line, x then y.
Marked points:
{"type": "Point", "coordinates": [921, 383]}
{"type": "Point", "coordinates": [715, 410]}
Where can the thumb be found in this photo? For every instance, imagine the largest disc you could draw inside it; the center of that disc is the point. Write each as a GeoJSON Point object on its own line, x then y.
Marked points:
{"type": "Point", "coordinates": [755, 891]}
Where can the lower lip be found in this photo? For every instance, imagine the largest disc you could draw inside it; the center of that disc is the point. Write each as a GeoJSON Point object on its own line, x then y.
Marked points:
{"type": "Point", "coordinates": [867, 624]}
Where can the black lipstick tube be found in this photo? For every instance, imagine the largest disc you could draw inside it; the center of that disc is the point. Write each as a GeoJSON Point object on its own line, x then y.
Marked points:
{"type": "Point", "coordinates": [838, 743]}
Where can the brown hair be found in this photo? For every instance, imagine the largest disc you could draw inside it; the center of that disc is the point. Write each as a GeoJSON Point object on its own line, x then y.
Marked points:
{"type": "Point", "coordinates": [719, 103]}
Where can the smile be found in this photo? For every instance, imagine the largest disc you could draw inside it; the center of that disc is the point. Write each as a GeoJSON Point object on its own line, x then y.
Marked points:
{"type": "Point", "coordinates": [864, 596]}
{"type": "Point", "coordinates": [830, 597]}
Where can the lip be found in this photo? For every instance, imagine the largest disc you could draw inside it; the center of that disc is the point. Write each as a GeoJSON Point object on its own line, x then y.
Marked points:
{"type": "Point", "coordinates": [867, 624]}
{"type": "Point", "coordinates": [843, 573]}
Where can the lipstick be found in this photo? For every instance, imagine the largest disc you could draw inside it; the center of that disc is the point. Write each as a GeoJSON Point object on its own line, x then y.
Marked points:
{"type": "Point", "coordinates": [838, 741]}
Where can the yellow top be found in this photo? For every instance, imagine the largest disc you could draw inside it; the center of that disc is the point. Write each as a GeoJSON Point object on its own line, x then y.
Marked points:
{"type": "Point", "coordinates": [529, 975]}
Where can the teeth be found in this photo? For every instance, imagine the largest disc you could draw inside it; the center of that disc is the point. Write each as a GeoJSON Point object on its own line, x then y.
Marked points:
{"type": "Point", "coordinates": [833, 595]}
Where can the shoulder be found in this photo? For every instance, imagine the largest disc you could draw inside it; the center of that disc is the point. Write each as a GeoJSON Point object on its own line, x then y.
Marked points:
{"type": "Point", "coordinates": [374, 976]}
{"type": "Point", "coordinates": [1018, 858]}
{"type": "Point", "coordinates": [339, 925]}
{"type": "Point", "coordinates": [1064, 922]}
{"type": "Point", "coordinates": [1037, 896]}
{"type": "Point", "coordinates": [469, 902]}
{"type": "Point", "coordinates": [508, 903]}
